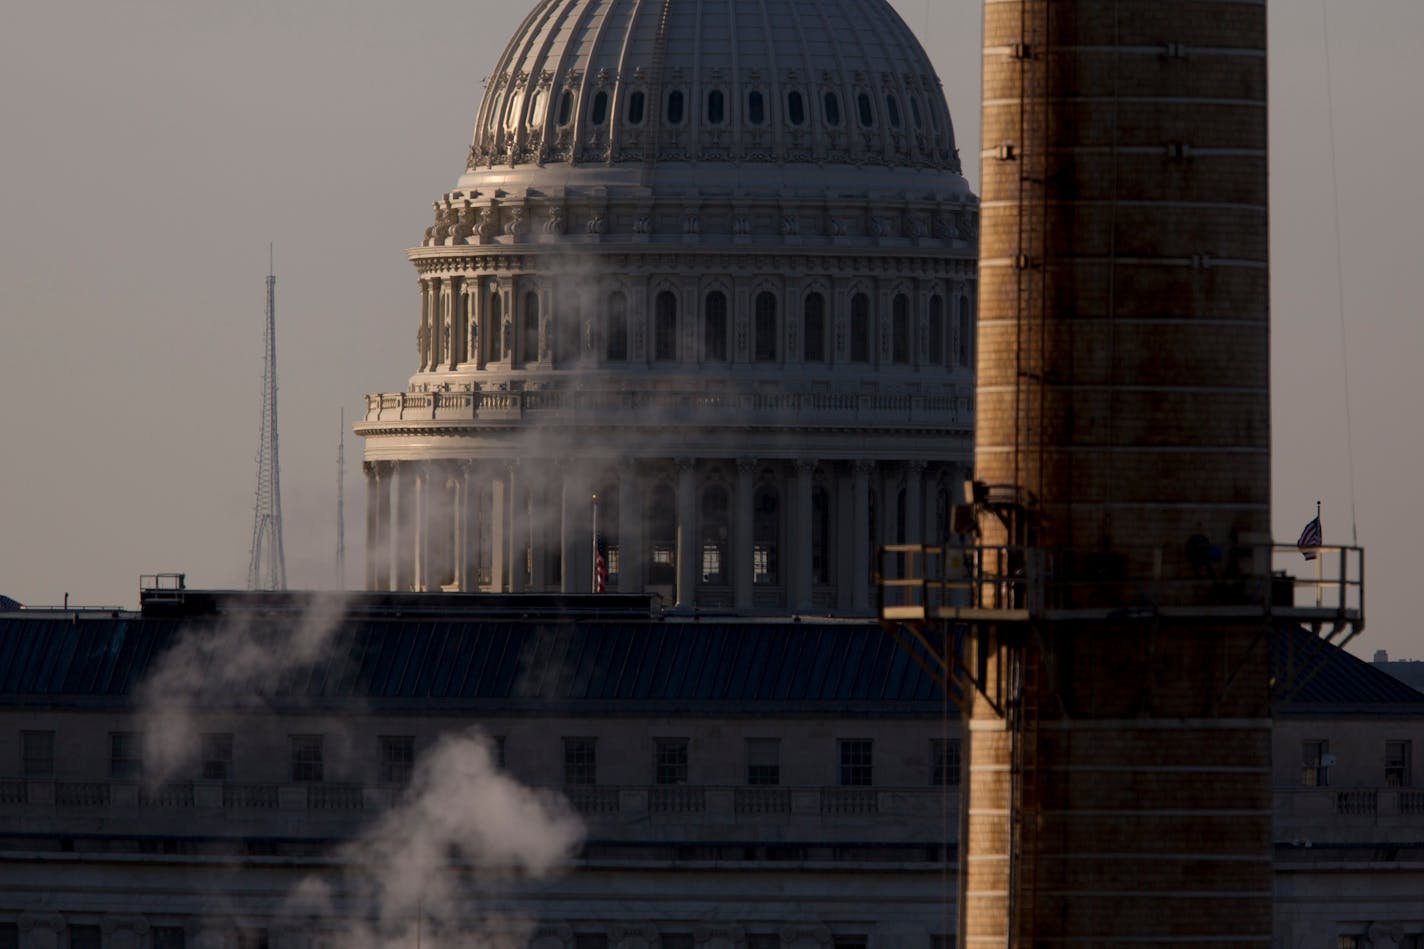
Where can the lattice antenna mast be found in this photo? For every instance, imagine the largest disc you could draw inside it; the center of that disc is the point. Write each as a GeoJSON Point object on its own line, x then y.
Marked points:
{"type": "Point", "coordinates": [267, 569]}
{"type": "Point", "coordinates": [341, 506]}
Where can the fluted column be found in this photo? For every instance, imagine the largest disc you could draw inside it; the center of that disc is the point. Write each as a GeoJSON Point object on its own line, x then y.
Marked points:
{"type": "Point", "coordinates": [842, 531]}
{"type": "Point", "coordinates": [860, 537]}
{"type": "Point", "coordinates": [686, 533]}
{"type": "Point", "coordinates": [573, 535]}
{"type": "Point", "coordinates": [741, 554]}
{"type": "Point", "coordinates": [631, 569]}
{"type": "Point", "coordinates": [424, 335]}
{"type": "Point", "coordinates": [422, 572]}
{"type": "Point", "coordinates": [888, 506]}
{"type": "Point", "coordinates": [799, 543]}
{"type": "Point", "coordinates": [914, 501]}
{"type": "Point", "coordinates": [518, 557]}
{"type": "Point", "coordinates": [457, 322]}
{"type": "Point", "coordinates": [402, 525]}
{"type": "Point", "coordinates": [499, 531]}
{"type": "Point", "coordinates": [373, 508]}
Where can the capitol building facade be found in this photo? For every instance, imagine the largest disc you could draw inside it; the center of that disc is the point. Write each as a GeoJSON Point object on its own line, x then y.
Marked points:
{"type": "Point", "coordinates": [703, 302]}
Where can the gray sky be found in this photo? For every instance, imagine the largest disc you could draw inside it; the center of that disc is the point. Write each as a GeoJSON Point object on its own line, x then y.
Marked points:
{"type": "Point", "coordinates": [152, 149]}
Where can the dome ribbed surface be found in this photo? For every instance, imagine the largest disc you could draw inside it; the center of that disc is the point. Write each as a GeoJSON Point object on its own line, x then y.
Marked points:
{"type": "Point", "coordinates": [777, 81]}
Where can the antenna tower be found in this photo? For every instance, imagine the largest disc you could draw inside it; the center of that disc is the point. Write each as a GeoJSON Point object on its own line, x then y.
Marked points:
{"type": "Point", "coordinates": [341, 506]}
{"type": "Point", "coordinates": [267, 569]}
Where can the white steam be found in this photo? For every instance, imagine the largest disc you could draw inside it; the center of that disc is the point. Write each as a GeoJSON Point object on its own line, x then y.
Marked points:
{"type": "Point", "coordinates": [242, 663]}
{"type": "Point", "coordinates": [425, 871]}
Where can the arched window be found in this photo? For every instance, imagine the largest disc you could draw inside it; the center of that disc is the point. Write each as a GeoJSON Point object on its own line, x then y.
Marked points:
{"type": "Point", "coordinates": [529, 338]}
{"type": "Point", "coordinates": [867, 114]}
{"type": "Point", "coordinates": [892, 110]}
{"type": "Point", "coordinates": [599, 113]}
{"type": "Point", "coordinates": [662, 535]}
{"type": "Point", "coordinates": [935, 357]}
{"type": "Point", "coordinates": [766, 534]}
{"type": "Point", "coordinates": [615, 336]}
{"type": "Point", "coordinates": [494, 336]}
{"type": "Point", "coordinates": [536, 107]}
{"type": "Point", "coordinates": [765, 329]}
{"type": "Point", "coordinates": [900, 329]}
{"type": "Point", "coordinates": [860, 328]}
{"type": "Point", "coordinates": [833, 110]}
{"type": "Point", "coordinates": [511, 111]}
{"type": "Point", "coordinates": [716, 107]}
{"type": "Point", "coordinates": [714, 327]}
{"type": "Point", "coordinates": [712, 537]}
{"type": "Point", "coordinates": [795, 108]}
{"type": "Point", "coordinates": [676, 106]}
{"type": "Point", "coordinates": [637, 103]}
{"type": "Point", "coordinates": [665, 327]}
{"type": "Point", "coordinates": [756, 107]}
{"type": "Point", "coordinates": [815, 328]}
{"type": "Point", "coordinates": [566, 108]}
{"type": "Point", "coordinates": [915, 112]}
{"type": "Point", "coordinates": [966, 342]}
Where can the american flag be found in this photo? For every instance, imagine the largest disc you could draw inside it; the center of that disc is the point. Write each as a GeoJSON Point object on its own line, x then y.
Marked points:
{"type": "Point", "coordinates": [600, 564]}
{"type": "Point", "coordinates": [1310, 539]}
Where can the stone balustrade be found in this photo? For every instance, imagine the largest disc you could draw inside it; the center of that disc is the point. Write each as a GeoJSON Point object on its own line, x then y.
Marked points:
{"type": "Point", "coordinates": [572, 406]}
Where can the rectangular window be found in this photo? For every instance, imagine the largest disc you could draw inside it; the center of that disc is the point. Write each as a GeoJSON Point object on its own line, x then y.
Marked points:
{"type": "Point", "coordinates": [856, 762]}
{"type": "Point", "coordinates": [217, 756]}
{"type": "Point", "coordinates": [764, 761]}
{"type": "Point", "coordinates": [670, 761]}
{"type": "Point", "coordinates": [764, 563]}
{"type": "Point", "coordinates": [499, 750]}
{"type": "Point", "coordinates": [590, 941]}
{"type": "Point", "coordinates": [944, 762]}
{"type": "Point", "coordinates": [1396, 764]}
{"type": "Point", "coordinates": [307, 761]}
{"type": "Point", "coordinates": [676, 941]}
{"type": "Point", "coordinates": [763, 941]}
{"type": "Point", "coordinates": [85, 937]}
{"type": "Point", "coordinates": [580, 761]}
{"type": "Point", "coordinates": [851, 942]}
{"type": "Point", "coordinates": [125, 756]}
{"type": "Point", "coordinates": [712, 564]}
{"type": "Point", "coordinates": [9, 936]}
{"type": "Point", "coordinates": [251, 939]}
{"type": "Point", "coordinates": [169, 937]}
{"type": "Point", "coordinates": [37, 754]}
{"type": "Point", "coordinates": [1314, 773]}
{"type": "Point", "coordinates": [941, 941]}
{"type": "Point", "coordinates": [397, 758]}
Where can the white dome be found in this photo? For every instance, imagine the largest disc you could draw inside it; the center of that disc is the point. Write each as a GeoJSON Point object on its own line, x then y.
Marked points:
{"type": "Point", "coordinates": [635, 85]}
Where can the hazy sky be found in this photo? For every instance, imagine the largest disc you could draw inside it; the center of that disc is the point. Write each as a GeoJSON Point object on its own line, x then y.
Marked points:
{"type": "Point", "coordinates": [152, 149]}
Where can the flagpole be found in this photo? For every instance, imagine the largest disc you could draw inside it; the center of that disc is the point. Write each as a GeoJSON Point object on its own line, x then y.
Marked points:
{"type": "Point", "coordinates": [1319, 566]}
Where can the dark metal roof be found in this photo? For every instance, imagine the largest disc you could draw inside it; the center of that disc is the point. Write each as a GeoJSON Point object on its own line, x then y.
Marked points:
{"type": "Point", "coordinates": [814, 667]}
{"type": "Point", "coordinates": [1317, 678]}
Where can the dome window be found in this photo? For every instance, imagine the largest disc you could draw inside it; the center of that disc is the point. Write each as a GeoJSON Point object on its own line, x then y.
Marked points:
{"type": "Point", "coordinates": [665, 327]}
{"type": "Point", "coordinates": [900, 329]}
{"type": "Point", "coordinates": [714, 327]}
{"type": "Point", "coordinates": [764, 327]}
{"type": "Point", "coordinates": [756, 107]}
{"type": "Point", "coordinates": [536, 107]}
{"type": "Point", "coordinates": [637, 102]}
{"type": "Point", "coordinates": [716, 107]}
{"type": "Point", "coordinates": [892, 109]}
{"type": "Point", "coordinates": [860, 328]}
{"type": "Point", "coordinates": [615, 336]}
{"type": "Point", "coordinates": [815, 326]}
{"type": "Point", "coordinates": [915, 112]}
{"type": "Point", "coordinates": [676, 105]}
{"type": "Point", "coordinates": [566, 108]}
{"type": "Point", "coordinates": [796, 108]}
{"type": "Point", "coordinates": [867, 114]}
{"type": "Point", "coordinates": [598, 115]}
{"type": "Point", "coordinates": [511, 112]}
{"type": "Point", "coordinates": [833, 110]}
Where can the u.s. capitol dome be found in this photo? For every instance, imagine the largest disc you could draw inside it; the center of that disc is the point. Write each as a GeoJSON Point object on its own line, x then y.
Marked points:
{"type": "Point", "coordinates": [705, 283]}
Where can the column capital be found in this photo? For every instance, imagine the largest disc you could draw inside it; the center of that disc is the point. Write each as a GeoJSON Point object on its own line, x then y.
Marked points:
{"type": "Point", "coordinates": [862, 466]}
{"type": "Point", "coordinates": [805, 466]}
{"type": "Point", "coordinates": [916, 466]}
{"type": "Point", "coordinates": [747, 464]}
{"type": "Point", "coordinates": [685, 465]}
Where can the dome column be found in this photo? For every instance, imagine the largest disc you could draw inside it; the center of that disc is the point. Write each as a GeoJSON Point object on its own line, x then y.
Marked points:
{"type": "Point", "coordinates": [860, 537]}
{"type": "Point", "coordinates": [914, 502]}
{"type": "Point", "coordinates": [631, 569]}
{"type": "Point", "coordinates": [377, 504]}
{"type": "Point", "coordinates": [741, 554]}
{"type": "Point", "coordinates": [402, 528]}
{"type": "Point", "coordinates": [422, 570]}
{"type": "Point", "coordinates": [518, 533]}
{"type": "Point", "coordinates": [575, 542]}
{"type": "Point", "coordinates": [499, 531]}
{"type": "Point", "coordinates": [424, 338]}
{"type": "Point", "coordinates": [686, 534]}
{"type": "Point", "coordinates": [843, 570]}
{"type": "Point", "coordinates": [799, 543]}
